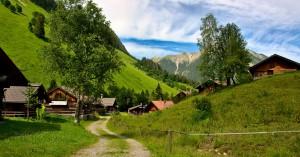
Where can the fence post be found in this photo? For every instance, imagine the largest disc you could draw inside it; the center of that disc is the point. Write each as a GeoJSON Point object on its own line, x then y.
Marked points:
{"type": "Point", "coordinates": [170, 140]}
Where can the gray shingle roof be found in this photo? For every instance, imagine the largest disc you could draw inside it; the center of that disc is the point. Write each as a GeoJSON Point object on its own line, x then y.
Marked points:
{"type": "Point", "coordinates": [15, 94]}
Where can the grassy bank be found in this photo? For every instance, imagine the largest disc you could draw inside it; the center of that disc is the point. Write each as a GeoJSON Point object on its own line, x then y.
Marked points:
{"type": "Point", "coordinates": [270, 104]}
{"type": "Point", "coordinates": [58, 136]}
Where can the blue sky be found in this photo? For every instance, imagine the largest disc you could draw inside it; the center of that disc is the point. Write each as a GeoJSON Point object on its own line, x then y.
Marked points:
{"type": "Point", "coordinates": [151, 28]}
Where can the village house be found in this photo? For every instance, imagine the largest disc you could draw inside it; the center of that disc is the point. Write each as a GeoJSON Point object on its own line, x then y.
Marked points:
{"type": "Point", "coordinates": [207, 87]}
{"type": "Point", "coordinates": [158, 105]}
{"type": "Point", "coordinates": [61, 102]}
{"type": "Point", "coordinates": [137, 110]}
{"type": "Point", "coordinates": [181, 96]}
{"type": "Point", "coordinates": [14, 87]}
{"type": "Point", "coordinates": [108, 105]}
{"type": "Point", "coordinates": [273, 65]}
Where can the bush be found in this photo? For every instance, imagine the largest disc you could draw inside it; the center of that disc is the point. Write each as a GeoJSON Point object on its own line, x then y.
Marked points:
{"type": "Point", "coordinates": [6, 3]}
{"type": "Point", "coordinates": [19, 8]}
{"type": "Point", "coordinates": [12, 8]}
{"type": "Point", "coordinates": [203, 107]}
{"type": "Point", "coordinates": [245, 78]}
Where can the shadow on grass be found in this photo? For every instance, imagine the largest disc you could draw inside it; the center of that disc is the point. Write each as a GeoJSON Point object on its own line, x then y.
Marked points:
{"type": "Point", "coordinates": [20, 127]}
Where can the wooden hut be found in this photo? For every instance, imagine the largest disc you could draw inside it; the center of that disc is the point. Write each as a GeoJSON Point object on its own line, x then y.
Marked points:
{"type": "Point", "coordinates": [137, 110]}
{"type": "Point", "coordinates": [273, 65]}
{"type": "Point", "coordinates": [207, 87]}
{"type": "Point", "coordinates": [157, 105]}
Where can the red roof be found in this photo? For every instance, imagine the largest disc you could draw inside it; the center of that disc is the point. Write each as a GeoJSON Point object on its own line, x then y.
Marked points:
{"type": "Point", "coordinates": [162, 104]}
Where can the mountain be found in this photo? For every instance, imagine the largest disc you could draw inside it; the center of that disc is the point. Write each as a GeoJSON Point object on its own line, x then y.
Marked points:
{"type": "Point", "coordinates": [22, 47]}
{"type": "Point", "coordinates": [186, 63]}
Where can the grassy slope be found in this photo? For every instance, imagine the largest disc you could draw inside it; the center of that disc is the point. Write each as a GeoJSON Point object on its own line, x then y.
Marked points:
{"type": "Point", "coordinates": [19, 43]}
{"type": "Point", "coordinates": [269, 104]}
{"type": "Point", "coordinates": [132, 77]}
{"type": "Point", "coordinates": [21, 46]}
{"type": "Point", "coordinates": [19, 137]}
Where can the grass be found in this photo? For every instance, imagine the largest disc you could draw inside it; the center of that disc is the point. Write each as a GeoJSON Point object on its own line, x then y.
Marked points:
{"type": "Point", "coordinates": [269, 104]}
{"type": "Point", "coordinates": [19, 137]}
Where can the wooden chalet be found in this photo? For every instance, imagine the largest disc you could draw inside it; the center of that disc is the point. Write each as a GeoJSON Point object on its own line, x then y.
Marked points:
{"type": "Point", "coordinates": [107, 104]}
{"type": "Point", "coordinates": [207, 87]}
{"type": "Point", "coordinates": [15, 99]}
{"type": "Point", "coordinates": [158, 105]}
{"type": "Point", "coordinates": [181, 96]}
{"type": "Point", "coordinates": [273, 65]}
{"type": "Point", "coordinates": [61, 101]}
{"type": "Point", "coordinates": [137, 110]}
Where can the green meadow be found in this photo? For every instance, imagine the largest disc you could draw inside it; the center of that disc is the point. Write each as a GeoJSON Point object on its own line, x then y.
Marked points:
{"type": "Point", "coordinates": [55, 136]}
{"type": "Point", "coordinates": [265, 105]}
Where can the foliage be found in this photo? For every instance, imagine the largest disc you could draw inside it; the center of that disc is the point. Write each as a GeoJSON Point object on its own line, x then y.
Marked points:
{"type": "Point", "coordinates": [224, 51]}
{"type": "Point", "coordinates": [37, 23]}
{"type": "Point", "coordinates": [6, 3]}
{"type": "Point", "coordinates": [12, 8]}
{"type": "Point", "coordinates": [40, 112]}
{"type": "Point", "coordinates": [244, 78]}
{"type": "Point", "coordinates": [53, 84]}
{"type": "Point", "coordinates": [35, 138]}
{"type": "Point", "coordinates": [203, 107]}
{"type": "Point", "coordinates": [79, 50]}
{"type": "Point", "coordinates": [269, 104]}
{"type": "Point", "coordinates": [31, 99]}
{"type": "Point", "coordinates": [158, 93]}
{"type": "Point", "coordinates": [18, 8]}
{"type": "Point", "coordinates": [48, 5]}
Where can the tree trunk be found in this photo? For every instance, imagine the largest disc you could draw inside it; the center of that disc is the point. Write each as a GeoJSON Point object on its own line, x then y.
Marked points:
{"type": "Point", "coordinates": [228, 81]}
{"type": "Point", "coordinates": [78, 111]}
{"type": "Point", "coordinates": [233, 81]}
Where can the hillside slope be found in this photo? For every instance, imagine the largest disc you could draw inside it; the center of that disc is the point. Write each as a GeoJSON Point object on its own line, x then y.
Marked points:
{"type": "Point", "coordinates": [186, 63]}
{"type": "Point", "coordinates": [266, 105]}
{"type": "Point", "coordinates": [22, 47]}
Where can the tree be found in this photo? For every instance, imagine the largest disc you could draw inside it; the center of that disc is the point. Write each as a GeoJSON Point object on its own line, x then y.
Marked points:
{"type": "Point", "coordinates": [209, 32]}
{"type": "Point", "coordinates": [6, 3]}
{"type": "Point", "coordinates": [19, 8]}
{"type": "Point", "coordinates": [224, 51]}
{"type": "Point", "coordinates": [12, 8]}
{"type": "Point", "coordinates": [158, 93]}
{"type": "Point", "coordinates": [78, 49]}
{"type": "Point", "coordinates": [30, 99]}
{"type": "Point", "coordinates": [37, 23]}
{"type": "Point", "coordinates": [53, 84]}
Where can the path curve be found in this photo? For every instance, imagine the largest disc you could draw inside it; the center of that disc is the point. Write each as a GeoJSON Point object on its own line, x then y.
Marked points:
{"type": "Point", "coordinates": [101, 148]}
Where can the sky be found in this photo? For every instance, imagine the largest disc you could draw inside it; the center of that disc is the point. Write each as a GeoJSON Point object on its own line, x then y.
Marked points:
{"type": "Point", "coordinates": [151, 28]}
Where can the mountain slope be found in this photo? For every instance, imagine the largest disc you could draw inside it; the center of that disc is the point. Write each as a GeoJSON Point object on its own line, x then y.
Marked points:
{"type": "Point", "coordinates": [186, 63]}
{"type": "Point", "coordinates": [22, 47]}
{"type": "Point", "coordinates": [265, 105]}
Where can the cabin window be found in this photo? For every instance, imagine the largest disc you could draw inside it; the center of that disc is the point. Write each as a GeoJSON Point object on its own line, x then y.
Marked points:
{"type": "Point", "coordinates": [58, 96]}
{"type": "Point", "coordinates": [260, 73]}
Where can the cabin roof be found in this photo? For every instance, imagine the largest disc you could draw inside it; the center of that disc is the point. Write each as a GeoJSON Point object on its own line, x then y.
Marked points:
{"type": "Point", "coordinates": [251, 69]}
{"type": "Point", "coordinates": [7, 67]}
{"type": "Point", "coordinates": [62, 89]}
{"type": "Point", "coordinates": [16, 94]}
{"type": "Point", "coordinates": [108, 101]}
{"type": "Point", "coordinates": [162, 104]}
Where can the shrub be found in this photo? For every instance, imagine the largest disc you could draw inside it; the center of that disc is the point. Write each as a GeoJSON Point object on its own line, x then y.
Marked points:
{"type": "Point", "coordinates": [203, 107]}
{"type": "Point", "coordinates": [6, 3]}
{"type": "Point", "coordinates": [19, 8]}
{"type": "Point", "coordinates": [244, 78]}
{"type": "Point", "coordinates": [12, 8]}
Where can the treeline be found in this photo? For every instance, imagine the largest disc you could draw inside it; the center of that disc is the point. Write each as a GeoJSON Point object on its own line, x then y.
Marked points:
{"type": "Point", "coordinates": [128, 97]}
{"type": "Point", "coordinates": [48, 5]}
{"type": "Point", "coordinates": [155, 71]}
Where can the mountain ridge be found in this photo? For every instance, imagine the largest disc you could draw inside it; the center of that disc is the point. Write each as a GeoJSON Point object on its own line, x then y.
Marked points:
{"type": "Point", "coordinates": [186, 63]}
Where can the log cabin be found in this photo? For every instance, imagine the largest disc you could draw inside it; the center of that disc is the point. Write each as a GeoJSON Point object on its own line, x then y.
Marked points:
{"type": "Point", "coordinates": [273, 65]}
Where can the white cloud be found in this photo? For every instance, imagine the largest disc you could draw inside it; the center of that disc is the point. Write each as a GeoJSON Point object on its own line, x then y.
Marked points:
{"type": "Point", "coordinates": [140, 51]}
{"type": "Point", "coordinates": [265, 23]}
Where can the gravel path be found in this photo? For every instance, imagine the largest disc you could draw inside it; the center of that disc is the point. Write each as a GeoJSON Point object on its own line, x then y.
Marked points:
{"type": "Point", "coordinates": [101, 148]}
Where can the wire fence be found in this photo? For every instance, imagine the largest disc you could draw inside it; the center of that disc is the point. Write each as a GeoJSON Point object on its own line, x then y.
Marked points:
{"type": "Point", "coordinates": [171, 132]}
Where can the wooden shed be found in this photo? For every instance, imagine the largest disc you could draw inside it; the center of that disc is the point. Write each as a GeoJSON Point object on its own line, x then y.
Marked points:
{"type": "Point", "coordinates": [273, 65]}
{"type": "Point", "coordinates": [207, 87]}
{"type": "Point", "coordinates": [157, 105]}
{"type": "Point", "coordinates": [137, 110]}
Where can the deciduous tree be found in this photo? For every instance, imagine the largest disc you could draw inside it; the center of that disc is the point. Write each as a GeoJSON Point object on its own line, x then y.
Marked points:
{"type": "Point", "coordinates": [78, 50]}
